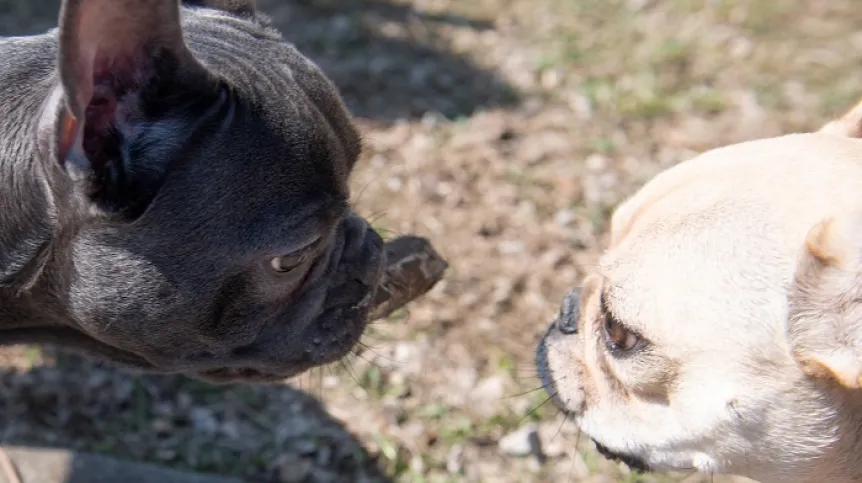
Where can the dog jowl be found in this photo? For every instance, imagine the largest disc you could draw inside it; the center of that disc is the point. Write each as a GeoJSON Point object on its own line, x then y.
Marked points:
{"type": "Point", "coordinates": [175, 192]}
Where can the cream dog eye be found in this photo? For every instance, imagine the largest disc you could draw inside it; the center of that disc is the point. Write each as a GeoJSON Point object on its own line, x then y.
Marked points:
{"type": "Point", "coordinates": [619, 337]}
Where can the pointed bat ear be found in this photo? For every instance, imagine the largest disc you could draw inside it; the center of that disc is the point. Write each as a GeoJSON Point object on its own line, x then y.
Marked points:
{"type": "Point", "coordinates": [111, 45]}
{"type": "Point", "coordinates": [825, 304]}
{"type": "Point", "coordinates": [114, 56]}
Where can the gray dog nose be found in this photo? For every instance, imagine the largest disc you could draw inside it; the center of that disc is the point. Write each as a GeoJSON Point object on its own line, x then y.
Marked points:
{"type": "Point", "coordinates": [363, 247]}
{"type": "Point", "coordinates": [567, 321]}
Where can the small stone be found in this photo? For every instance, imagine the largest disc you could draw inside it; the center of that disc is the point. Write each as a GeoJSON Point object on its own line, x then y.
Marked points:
{"type": "Point", "coordinates": [161, 426]}
{"type": "Point", "coordinates": [596, 162]}
{"type": "Point", "coordinates": [564, 217]}
{"type": "Point", "coordinates": [324, 456]}
{"type": "Point", "coordinates": [230, 429]}
{"type": "Point", "coordinates": [487, 392]}
{"type": "Point", "coordinates": [455, 459]}
{"type": "Point", "coordinates": [305, 447]}
{"type": "Point", "coordinates": [293, 469]}
{"type": "Point", "coordinates": [417, 464]}
{"type": "Point", "coordinates": [166, 454]}
{"type": "Point", "coordinates": [511, 247]}
{"type": "Point", "coordinates": [522, 442]}
{"type": "Point", "coordinates": [203, 420]}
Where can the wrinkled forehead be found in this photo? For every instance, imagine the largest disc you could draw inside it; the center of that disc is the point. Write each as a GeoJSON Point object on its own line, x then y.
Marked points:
{"type": "Point", "coordinates": [710, 273]}
{"type": "Point", "coordinates": [270, 74]}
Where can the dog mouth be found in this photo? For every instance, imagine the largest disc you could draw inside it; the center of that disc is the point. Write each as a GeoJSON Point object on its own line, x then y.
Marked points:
{"type": "Point", "coordinates": [543, 369]}
{"type": "Point", "coordinates": [332, 335]}
{"type": "Point", "coordinates": [633, 462]}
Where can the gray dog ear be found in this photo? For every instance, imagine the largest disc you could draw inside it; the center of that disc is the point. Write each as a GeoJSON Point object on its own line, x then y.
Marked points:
{"type": "Point", "coordinates": [825, 304]}
{"type": "Point", "coordinates": [239, 7]}
{"type": "Point", "coordinates": [117, 60]}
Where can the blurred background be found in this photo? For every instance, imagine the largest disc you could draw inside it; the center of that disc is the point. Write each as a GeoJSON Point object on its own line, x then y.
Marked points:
{"type": "Point", "coordinates": [505, 131]}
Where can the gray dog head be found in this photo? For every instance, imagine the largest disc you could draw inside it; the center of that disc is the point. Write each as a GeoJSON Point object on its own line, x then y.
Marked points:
{"type": "Point", "coordinates": [196, 215]}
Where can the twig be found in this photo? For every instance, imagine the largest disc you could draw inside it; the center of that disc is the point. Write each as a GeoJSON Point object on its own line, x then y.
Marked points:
{"type": "Point", "coordinates": [412, 268]}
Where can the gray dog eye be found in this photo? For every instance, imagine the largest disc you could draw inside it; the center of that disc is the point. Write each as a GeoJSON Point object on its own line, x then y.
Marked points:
{"type": "Point", "coordinates": [287, 263]}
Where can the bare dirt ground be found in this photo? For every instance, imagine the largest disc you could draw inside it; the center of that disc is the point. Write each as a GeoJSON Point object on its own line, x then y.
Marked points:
{"type": "Point", "coordinates": [506, 131]}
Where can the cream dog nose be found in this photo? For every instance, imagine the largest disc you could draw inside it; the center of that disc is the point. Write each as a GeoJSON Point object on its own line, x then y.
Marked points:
{"type": "Point", "coordinates": [567, 321]}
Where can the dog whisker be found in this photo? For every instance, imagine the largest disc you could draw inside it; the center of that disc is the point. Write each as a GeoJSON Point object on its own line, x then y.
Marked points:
{"type": "Point", "coordinates": [562, 421]}
{"type": "Point", "coordinates": [376, 354]}
{"type": "Point", "coordinates": [375, 217]}
{"type": "Point", "coordinates": [574, 455]}
{"type": "Point", "coordinates": [356, 353]}
{"type": "Point", "coordinates": [387, 231]}
{"type": "Point", "coordinates": [527, 378]}
{"type": "Point", "coordinates": [361, 192]}
{"type": "Point", "coordinates": [529, 391]}
{"type": "Point", "coordinates": [349, 369]}
{"type": "Point", "coordinates": [533, 411]}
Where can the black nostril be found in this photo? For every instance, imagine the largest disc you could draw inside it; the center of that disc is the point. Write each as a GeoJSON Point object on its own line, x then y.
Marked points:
{"type": "Point", "coordinates": [567, 321]}
{"type": "Point", "coordinates": [567, 326]}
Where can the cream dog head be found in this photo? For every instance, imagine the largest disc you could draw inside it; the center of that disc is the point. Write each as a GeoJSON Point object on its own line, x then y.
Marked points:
{"type": "Point", "coordinates": [723, 328]}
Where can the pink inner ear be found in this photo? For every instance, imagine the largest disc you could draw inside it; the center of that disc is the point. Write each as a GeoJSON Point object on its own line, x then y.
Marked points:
{"type": "Point", "coordinates": [114, 80]}
{"type": "Point", "coordinates": [108, 51]}
{"type": "Point", "coordinates": [102, 109]}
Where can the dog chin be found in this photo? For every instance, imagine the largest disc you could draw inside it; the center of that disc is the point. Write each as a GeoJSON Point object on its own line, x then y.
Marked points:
{"type": "Point", "coordinates": [634, 463]}
{"type": "Point", "coordinates": [331, 337]}
{"type": "Point", "coordinates": [230, 375]}
{"type": "Point", "coordinates": [660, 462]}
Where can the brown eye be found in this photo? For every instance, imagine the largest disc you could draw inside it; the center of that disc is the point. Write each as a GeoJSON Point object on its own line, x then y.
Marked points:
{"type": "Point", "coordinates": [619, 337]}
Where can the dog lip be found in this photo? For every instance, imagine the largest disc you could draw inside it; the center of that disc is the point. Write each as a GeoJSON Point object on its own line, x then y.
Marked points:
{"type": "Point", "coordinates": [634, 463]}
{"type": "Point", "coordinates": [544, 372]}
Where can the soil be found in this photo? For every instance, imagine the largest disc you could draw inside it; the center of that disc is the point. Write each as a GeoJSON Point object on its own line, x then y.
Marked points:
{"type": "Point", "coordinates": [505, 131]}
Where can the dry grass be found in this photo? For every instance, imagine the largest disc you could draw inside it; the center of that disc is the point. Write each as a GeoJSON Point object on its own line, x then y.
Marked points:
{"type": "Point", "coordinates": [506, 131]}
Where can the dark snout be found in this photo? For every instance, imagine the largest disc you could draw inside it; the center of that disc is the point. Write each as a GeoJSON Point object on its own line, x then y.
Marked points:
{"type": "Point", "coordinates": [328, 318]}
{"type": "Point", "coordinates": [361, 258]}
{"type": "Point", "coordinates": [350, 289]}
{"type": "Point", "coordinates": [353, 277]}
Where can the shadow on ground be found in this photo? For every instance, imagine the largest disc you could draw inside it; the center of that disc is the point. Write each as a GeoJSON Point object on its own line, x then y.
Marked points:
{"type": "Point", "coordinates": [74, 403]}
{"type": "Point", "coordinates": [387, 61]}
{"type": "Point", "coordinates": [388, 67]}
{"type": "Point", "coordinates": [383, 56]}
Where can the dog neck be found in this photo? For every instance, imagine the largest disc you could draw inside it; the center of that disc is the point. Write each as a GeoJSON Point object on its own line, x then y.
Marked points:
{"type": "Point", "coordinates": [844, 462]}
{"type": "Point", "coordinates": [30, 180]}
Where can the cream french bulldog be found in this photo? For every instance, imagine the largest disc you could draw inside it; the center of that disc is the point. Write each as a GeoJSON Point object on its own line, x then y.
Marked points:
{"type": "Point", "coordinates": [722, 329]}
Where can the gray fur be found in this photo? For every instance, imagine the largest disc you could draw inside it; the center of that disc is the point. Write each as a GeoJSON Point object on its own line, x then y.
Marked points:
{"type": "Point", "coordinates": [166, 269]}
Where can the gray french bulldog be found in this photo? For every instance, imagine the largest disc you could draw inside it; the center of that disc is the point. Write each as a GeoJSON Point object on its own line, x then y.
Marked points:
{"type": "Point", "coordinates": [174, 194]}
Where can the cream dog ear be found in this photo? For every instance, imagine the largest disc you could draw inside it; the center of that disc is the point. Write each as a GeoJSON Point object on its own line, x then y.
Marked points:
{"type": "Point", "coordinates": [848, 125]}
{"type": "Point", "coordinates": [825, 302]}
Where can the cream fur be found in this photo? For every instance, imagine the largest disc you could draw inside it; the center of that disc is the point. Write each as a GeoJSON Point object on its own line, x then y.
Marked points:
{"type": "Point", "coordinates": [742, 269]}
